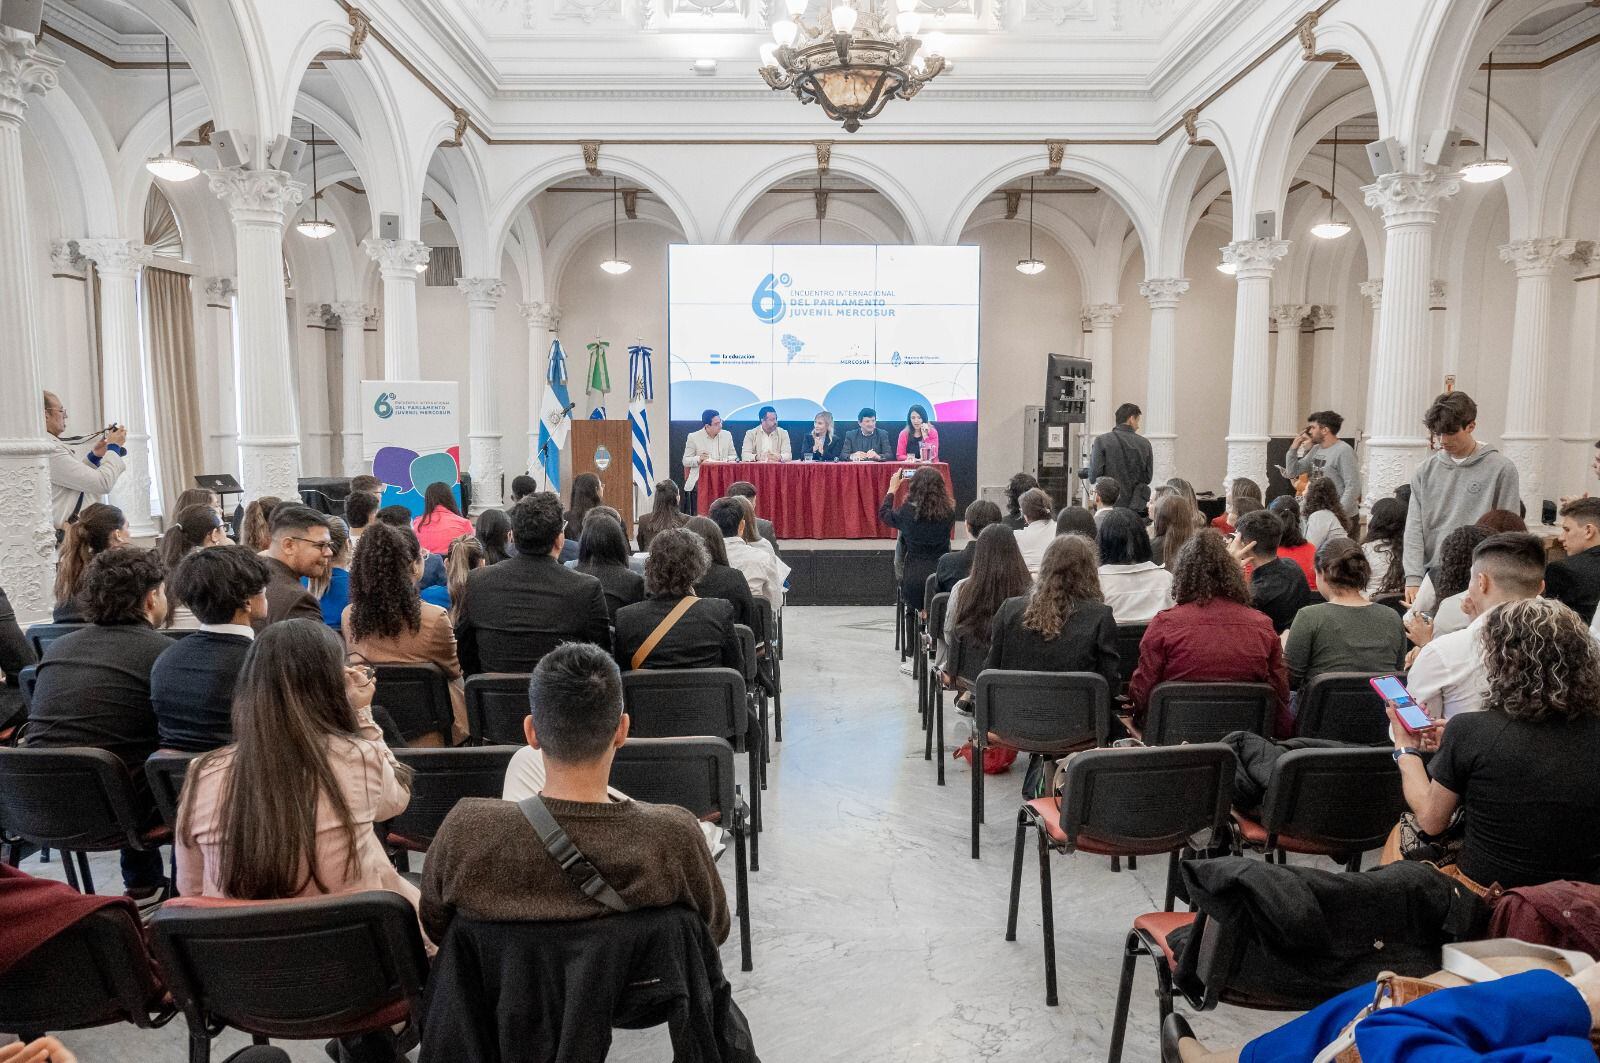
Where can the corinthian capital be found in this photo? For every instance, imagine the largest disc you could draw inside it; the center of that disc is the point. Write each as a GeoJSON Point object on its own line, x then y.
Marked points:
{"type": "Point", "coordinates": [1289, 315]}
{"type": "Point", "coordinates": [1373, 290]}
{"type": "Point", "coordinates": [398, 256]}
{"type": "Point", "coordinates": [1410, 198]}
{"type": "Point", "coordinates": [221, 289]}
{"type": "Point", "coordinates": [1163, 292]}
{"type": "Point", "coordinates": [482, 291]}
{"type": "Point", "coordinates": [542, 315]}
{"type": "Point", "coordinates": [24, 71]}
{"type": "Point", "coordinates": [1101, 315]}
{"type": "Point", "coordinates": [113, 257]}
{"type": "Point", "coordinates": [352, 312]}
{"type": "Point", "coordinates": [1535, 257]}
{"type": "Point", "coordinates": [1255, 259]}
{"type": "Point", "coordinates": [256, 195]}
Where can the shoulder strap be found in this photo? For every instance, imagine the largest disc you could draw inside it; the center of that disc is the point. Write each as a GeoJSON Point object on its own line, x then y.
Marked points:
{"type": "Point", "coordinates": [579, 871]}
{"type": "Point", "coordinates": [668, 622]}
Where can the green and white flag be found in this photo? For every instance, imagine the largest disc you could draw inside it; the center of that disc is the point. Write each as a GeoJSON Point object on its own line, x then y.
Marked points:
{"type": "Point", "coordinates": [599, 371]}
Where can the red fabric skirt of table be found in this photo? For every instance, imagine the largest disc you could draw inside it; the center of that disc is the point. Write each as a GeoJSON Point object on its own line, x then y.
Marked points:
{"type": "Point", "coordinates": [813, 499]}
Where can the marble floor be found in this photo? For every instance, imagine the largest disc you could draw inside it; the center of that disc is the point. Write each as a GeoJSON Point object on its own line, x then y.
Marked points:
{"type": "Point", "coordinates": [876, 938]}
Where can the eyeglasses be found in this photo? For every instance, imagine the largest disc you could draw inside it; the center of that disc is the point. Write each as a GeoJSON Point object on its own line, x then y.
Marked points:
{"type": "Point", "coordinates": [324, 545]}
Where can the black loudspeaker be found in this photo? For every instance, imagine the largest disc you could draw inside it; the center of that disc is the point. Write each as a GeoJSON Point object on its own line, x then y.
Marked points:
{"type": "Point", "coordinates": [1548, 512]}
{"type": "Point", "coordinates": [24, 15]}
{"type": "Point", "coordinates": [1066, 399]}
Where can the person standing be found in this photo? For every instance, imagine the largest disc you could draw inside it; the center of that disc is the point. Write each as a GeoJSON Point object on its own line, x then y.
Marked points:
{"type": "Point", "coordinates": [766, 441]}
{"type": "Point", "coordinates": [1459, 482]}
{"type": "Point", "coordinates": [72, 479]}
{"type": "Point", "coordinates": [1125, 456]}
{"type": "Point", "coordinates": [1319, 451]}
{"type": "Point", "coordinates": [866, 441]}
{"type": "Point", "coordinates": [708, 443]}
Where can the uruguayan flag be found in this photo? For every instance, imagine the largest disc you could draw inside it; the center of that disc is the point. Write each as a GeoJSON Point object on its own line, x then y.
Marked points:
{"type": "Point", "coordinates": [641, 389]}
{"type": "Point", "coordinates": [554, 424]}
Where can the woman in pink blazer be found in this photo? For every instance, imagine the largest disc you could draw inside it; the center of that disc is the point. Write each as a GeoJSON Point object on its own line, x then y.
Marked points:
{"type": "Point", "coordinates": [919, 440]}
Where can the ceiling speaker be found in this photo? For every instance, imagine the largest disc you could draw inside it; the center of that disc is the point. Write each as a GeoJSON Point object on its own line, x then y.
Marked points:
{"type": "Point", "coordinates": [1441, 146]}
{"type": "Point", "coordinates": [24, 15]}
{"type": "Point", "coordinates": [232, 147]}
{"type": "Point", "coordinates": [286, 154]}
{"type": "Point", "coordinates": [1384, 156]}
{"type": "Point", "coordinates": [1266, 226]}
{"type": "Point", "coordinates": [388, 226]}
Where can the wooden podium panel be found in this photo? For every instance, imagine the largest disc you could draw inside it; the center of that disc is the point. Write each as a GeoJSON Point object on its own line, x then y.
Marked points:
{"type": "Point", "coordinates": [616, 437]}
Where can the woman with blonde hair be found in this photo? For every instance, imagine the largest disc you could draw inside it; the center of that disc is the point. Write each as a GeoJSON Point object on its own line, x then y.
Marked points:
{"type": "Point", "coordinates": [464, 555]}
{"type": "Point", "coordinates": [824, 444]}
{"type": "Point", "coordinates": [1176, 521]}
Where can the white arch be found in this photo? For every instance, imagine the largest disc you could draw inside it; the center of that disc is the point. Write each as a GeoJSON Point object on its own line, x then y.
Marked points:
{"type": "Point", "coordinates": [1178, 192]}
{"type": "Point", "coordinates": [148, 136]}
{"type": "Point", "coordinates": [1562, 147]}
{"type": "Point", "coordinates": [1059, 226]}
{"type": "Point", "coordinates": [76, 147]}
{"type": "Point", "coordinates": [588, 221]}
{"type": "Point", "coordinates": [841, 211]}
{"type": "Point", "coordinates": [805, 163]}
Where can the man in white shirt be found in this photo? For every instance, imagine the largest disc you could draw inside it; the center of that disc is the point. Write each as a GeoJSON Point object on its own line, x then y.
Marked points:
{"type": "Point", "coordinates": [75, 481]}
{"type": "Point", "coordinates": [1039, 531]}
{"type": "Point", "coordinates": [761, 569]}
{"type": "Point", "coordinates": [1448, 676]}
{"type": "Point", "coordinates": [766, 441]}
{"type": "Point", "coordinates": [710, 443]}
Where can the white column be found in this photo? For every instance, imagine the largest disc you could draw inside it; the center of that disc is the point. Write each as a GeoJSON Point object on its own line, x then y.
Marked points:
{"type": "Point", "coordinates": [353, 317]}
{"type": "Point", "coordinates": [315, 388]}
{"type": "Point", "coordinates": [1254, 261]}
{"type": "Point", "coordinates": [1101, 317]}
{"type": "Point", "coordinates": [220, 364]}
{"type": "Point", "coordinates": [1400, 389]}
{"type": "Point", "coordinates": [122, 360]}
{"type": "Point", "coordinates": [1327, 376]}
{"type": "Point", "coordinates": [67, 302]}
{"type": "Point", "coordinates": [1439, 358]}
{"type": "Point", "coordinates": [1161, 401]}
{"type": "Point", "coordinates": [27, 544]}
{"type": "Point", "coordinates": [401, 262]}
{"type": "Point", "coordinates": [1582, 404]}
{"type": "Point", "coordinates": [483, 295]}
{"type": "Point", "coordinates": [269, 438]}
{"type": "Point", "coordinates": [544, 321]}
{"type": "Point", "coordinates": [1286, 369]}
{"type": "Point", "coordinates": [1527, 434]}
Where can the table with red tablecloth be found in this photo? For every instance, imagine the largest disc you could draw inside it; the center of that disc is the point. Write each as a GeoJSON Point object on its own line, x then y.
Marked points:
{"type": "Point", "coordinates": [814, 499]}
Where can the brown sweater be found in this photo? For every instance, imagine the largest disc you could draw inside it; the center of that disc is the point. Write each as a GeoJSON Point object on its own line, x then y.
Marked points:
{"type": "Point", "coordinates": [487, 861]}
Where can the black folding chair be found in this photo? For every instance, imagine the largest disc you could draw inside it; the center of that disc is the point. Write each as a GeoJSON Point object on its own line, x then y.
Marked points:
{"type": "Point", "coordinates": [1207, 712]}
{"type": "Point", "coordinates": [93, 973]}
{"type": "Point", "coordinates": [440, 778]}
{"type": "Point", "coordinates": [697, 774]}
{"type": "Point", "coordinates": [1338, 803]}
{"type": "Point", "coordinates": [771, 664]}
{"type": "Point", "coordinates": [1342, 707]}
{"type": "Point", "coordinates": [1046, 714]}
{"type": "Point", "coordinates": [923, 665]}
{"type": "Point", "coordinates": [40, 636]}
{"type": "Point", "coordinates": [933, 706]}
{"type": "Point", "coordinates": [1123, 802]}
{"type": "Point", "coordinates": [298, 970]}
{"type": "Point", "coordinates": [698, 703]}
{"type": "Point", "coordinates": [166, 770]}
{"type": "Point", "coordinates": [497, 703]}
{"type": "Point", "coordinates": [417, 696]}
{"type": "Point", "coordinates": [78, 800]}
{"type": "Point", "coordinates": [27, 680]}
{"type": "Point", "coordinates": [754, 694]}
{"type": "Point", "coordinates": [1129, 637]}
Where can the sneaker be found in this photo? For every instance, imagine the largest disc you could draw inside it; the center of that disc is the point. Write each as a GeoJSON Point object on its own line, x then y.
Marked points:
{"type": "Point", "coordinates": [149, 901]}
{"type": "Point", "coordinates": [908, 667]}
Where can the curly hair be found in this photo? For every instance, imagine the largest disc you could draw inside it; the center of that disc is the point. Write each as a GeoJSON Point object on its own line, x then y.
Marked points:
{"type": "Point", "coordinates": [115, 585]}
{"type": "Point", "coordinates": [1069, 574]}
{"type": "Point", "coordinates": [928, 497]}
{"type": "Point", "coordinates": [383, 594]}
{"type": "Point", "coordinates": [1455, 560]}
{"type": "Point", "coordinates": [1321, 495]}
{"type": "Point", "coordinates": [1206, 572]}
{"type": "Point", "coordinates": [1387, 528]}
{"type": "Point", "coordinates": [677, 562]}
{"type": "Point", "coordinates": [1020, 484]}
{"type": "Point", "coordinates": [1541, 662]}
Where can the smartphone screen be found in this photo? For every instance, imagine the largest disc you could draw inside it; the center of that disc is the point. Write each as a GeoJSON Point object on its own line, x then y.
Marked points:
{"type": "Point", "coordinates": [1391, 689]}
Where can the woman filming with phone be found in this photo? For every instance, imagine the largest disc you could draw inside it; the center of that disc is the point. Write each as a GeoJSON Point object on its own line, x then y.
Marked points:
{"type": "Point", "coordinates": [1519, 781]}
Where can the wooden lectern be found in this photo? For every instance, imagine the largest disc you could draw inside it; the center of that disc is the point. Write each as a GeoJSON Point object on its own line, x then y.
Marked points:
{"type": "Point", "coordinates": [615, 438]}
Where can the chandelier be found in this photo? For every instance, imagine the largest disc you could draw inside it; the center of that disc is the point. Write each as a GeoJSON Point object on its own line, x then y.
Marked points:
{"type": "Point", "coordinates": [853, 63]}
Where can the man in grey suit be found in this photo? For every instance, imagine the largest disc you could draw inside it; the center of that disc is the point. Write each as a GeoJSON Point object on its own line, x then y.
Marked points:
{"type": "Point", "coordinates": [866, 441]}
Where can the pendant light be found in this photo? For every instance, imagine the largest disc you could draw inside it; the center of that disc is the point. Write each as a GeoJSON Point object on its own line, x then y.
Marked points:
{"type": "Point", "coordinates": [1486, 169]}
{"type": "Point", "coordinates": [1033, 264]}
{"type": "Point", "coordinates": [315, 226]}
{"type": "Point", "coordinates": [616, 265]}
{"type": "Point", "coordinates": [1332, 229]}
{"type": "Point", "coordinates": [170, 167]}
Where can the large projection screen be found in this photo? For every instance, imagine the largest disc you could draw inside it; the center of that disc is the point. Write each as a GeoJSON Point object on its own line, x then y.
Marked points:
{"type": "Point", "coordinates": [805, 328]}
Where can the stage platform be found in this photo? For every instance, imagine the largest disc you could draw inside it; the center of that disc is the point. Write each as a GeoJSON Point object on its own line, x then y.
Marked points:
{"type": "Point", "coordinates": [843, 571]}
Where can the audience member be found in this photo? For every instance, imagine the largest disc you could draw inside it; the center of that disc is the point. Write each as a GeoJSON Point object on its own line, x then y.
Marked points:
{"type": "Point", "coordinates": [762, 527]}
{"type": "Point", "coordinates": [521, 609]}
{"type": "Point", "coordinates": [1039, 531]}
{"type": "Point", "coordinates": [1075, 520]}
{"type": "Point", "coordinates": [332, 588]}
{"type": "Point", "coordinates": [1347, 633]}
{"type": "Point", "coordinates": [664, 513]}
{"type": "Point", "coordinates": [1124, 455]}
{"type": "Point", "coordinates": [1133, 585]}
{"type": "Point", "coordinates": [193, 680]}
{"type": "Point", "coordinates": [433, 573]}
{"type": "Point", "coordinates": [1385, 548]}
{"type": "Point", "coordinates": [924, 521]}
{"type": "Point", "coordinates": [955, 565]}
{"type": "Point", "coordinates": [673, 628]}
{"type": "Point", "coordinates": [387, 623]}
{"type": "Point", "coordinates": [1293, 544]}
{"type": "Point", "coordinates": [1325, 517]}
{"type": "Point", "coordinates": [366, 484]}
{"type": "Point", "coordinates": [1460, 481]}
{"type": "Point", "coordinates": [1212, 634]}
{"type": "Point", "coordinates": [1157, 493]}
{"type": "Point", "coordinates": [301, 546]}
{"type": "Point", "coordinates": [93, 688]}
{"type": "Point", "coordinates": [1019, 484]}
{"type": "Point", "coordinates": [192, 528]}
{"type": "Point", "coordinates": [764, 573]}
{"type": "Point", "coordinates": [1502, 520]}
{"type": "Point", "coordinates": [522, 486]}
{"type": "Point", "coordinates": [1241, 487]}
{"type": "Point", "coordinates": [493, 531]}
{"type": "Point", "coordinates": [1575, 580]}
{"type": "Point", "coordinates": [1447, 676]}
{"type": "Point", "coordinates": [1103, 497]}
{"type": "Point", "coordinates": [15, 654]}
{"type": "Point", "coordinates": [1523, 772]}
{"type": "Point", "coordinates": [462, 558]}
{"type": "Point", "coordinates": [441, 521]}
{"type": "Point", "coordinates": [603, 554]}
{"type": "Point", "coordinates": [99, 528]}
{"type": "Point", "coordinates": [1175, 523]}
{"type": "Point", "coordinates": [722, 580]}
{"type": "Point", "coordinates": [1277, 586]}
{"type": "Point", "coordinates": [360, 509]}
{"type": "Point", "coordinates": [1437, 609]}
{"type": "Point", "coordinates": [587, 492]}
{"type": "Point", "coordinates": [1319, 452]}
{"type": "Point", "coordinates": [1061, 625]}
{"type": "Point", "coordinates": [1186, 489]}
{"type": "Point", "coordinates": [488, 863]}
{"type": "Point", "coordinates": [998, 573]}
{"type": "Point", "coordinates": [255, 530]}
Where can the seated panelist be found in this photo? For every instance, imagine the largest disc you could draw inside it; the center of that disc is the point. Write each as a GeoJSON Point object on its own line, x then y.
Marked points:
{"type": "Point", "coordinates": [822, 444]}
{"type": "Point", "coordinates": [866, 441]}
{"type": "Point", "coordinates": [919, 441]}
{"type": "Point", "coordinates": [767, 441]}
{"type": "Point", "coordinates": [709, 443]}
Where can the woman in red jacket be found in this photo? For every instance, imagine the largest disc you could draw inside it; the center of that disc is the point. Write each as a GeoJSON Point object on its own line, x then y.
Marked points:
{"type": "Point", "coordinates": [1212, 635]}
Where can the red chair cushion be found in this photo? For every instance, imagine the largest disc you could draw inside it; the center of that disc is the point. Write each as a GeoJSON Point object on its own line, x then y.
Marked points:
{"type": "Point", "coordinates": [410, 845]}
{"type": "Point", "coordinates": [1047, 814]}
{"type": "Point", "coordinates": [155, 836]}
{"type": "Point", "coordinates": [1255, 835]}
{"type": "Point", "coordinates": [1160, 925]}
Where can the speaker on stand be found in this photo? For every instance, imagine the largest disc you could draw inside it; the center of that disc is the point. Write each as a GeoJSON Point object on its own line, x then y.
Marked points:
{"type": "Point", "coordinates": [1059, 437]}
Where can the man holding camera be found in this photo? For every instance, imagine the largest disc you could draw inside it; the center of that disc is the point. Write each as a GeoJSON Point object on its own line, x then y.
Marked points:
{"type": "Point", "coordinates": [73, 480]}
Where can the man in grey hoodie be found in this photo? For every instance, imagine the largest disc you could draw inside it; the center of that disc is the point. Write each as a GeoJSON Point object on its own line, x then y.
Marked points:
{"type": "Point", "coordinates": [1460, 482]}
{"type": "Point", "coordinates": [1318, 450]}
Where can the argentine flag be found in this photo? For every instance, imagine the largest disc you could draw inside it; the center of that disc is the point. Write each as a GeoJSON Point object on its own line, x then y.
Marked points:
{"type": "Point", "coordinates": [554, 425]}
{"type": "Point", "coordinates": [641, 389]}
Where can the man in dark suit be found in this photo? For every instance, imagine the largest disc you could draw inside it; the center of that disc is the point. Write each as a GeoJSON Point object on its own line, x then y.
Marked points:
{"type": "Point", "coordinates": [302, 546]}
{"type": "Point", "coordinates": [1125, 456]}
{"type": "Point", "coordinates": [746, 489]}
{"type": "Point", "coordinates": [700, 636]}
{"type": "Point", "coordinates": [1575, 580]}
{"type": "Point", "coordinates": [521, 609]}
{"type": "Point", "coordinates": [957, 564]}
{"type": "Point", "coordinates": [866, 441]}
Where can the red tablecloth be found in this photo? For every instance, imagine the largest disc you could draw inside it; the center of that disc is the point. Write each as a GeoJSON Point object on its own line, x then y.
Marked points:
{"type": "Point", "coordinates": [813, 499]}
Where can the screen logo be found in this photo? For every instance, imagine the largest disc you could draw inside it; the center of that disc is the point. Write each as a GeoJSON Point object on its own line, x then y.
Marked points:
{"type": "Point", "coordinates": [384, 407]}
{"type": "Point", "coordinates": [767, 303]}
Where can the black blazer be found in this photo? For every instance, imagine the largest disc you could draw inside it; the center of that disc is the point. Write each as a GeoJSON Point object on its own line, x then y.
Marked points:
{"type": "Point", "coordinates": [1087, 642]}
{"type": "Point", "coordinates": [703, 637]}
{"type": "Point", "coordinates": [1575, 581]}
{"type": "Point", "coordinates": [191, 688]}
{"type": "Point", "coordinates": [955, 566]}
{"type": "Point", "coordinates": [524, 607]}
{"type": "Point", "coordinates": [729, 584]}
{"type": "Point", "coordinates": [878, 441]}
{"type": "Point", "coordinates": [623, 586]}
